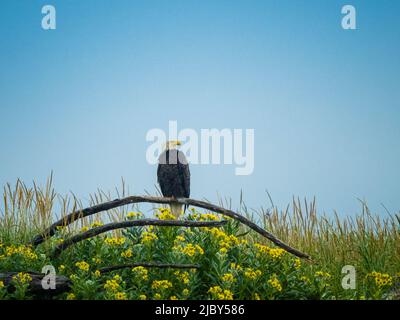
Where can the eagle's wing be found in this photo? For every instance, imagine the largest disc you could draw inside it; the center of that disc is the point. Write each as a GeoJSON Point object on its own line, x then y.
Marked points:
{"type": "Point", "coordinates": [160, 172]}
{"type": "Point", "coordinates": [184, 172]}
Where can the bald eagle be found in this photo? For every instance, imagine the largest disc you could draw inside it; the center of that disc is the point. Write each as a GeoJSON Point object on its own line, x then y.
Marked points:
{"type": "Point", "coordinates": [173, 175]}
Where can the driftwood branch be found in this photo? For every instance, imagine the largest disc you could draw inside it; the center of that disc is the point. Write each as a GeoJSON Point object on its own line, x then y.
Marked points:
{"type": "Point", "coordinates": [132, 223]}
{"type": "Point", "coordinates": [148, 199]}
{"type": "Point", "coordinates": [35, 286]}
{"type": "Point", "coordinates": [149, 265]}
{"type": "Point", "coordinates": [63, 284]}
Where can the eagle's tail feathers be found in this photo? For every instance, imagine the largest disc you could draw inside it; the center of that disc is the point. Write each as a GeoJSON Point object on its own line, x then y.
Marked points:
{"type": "Point", "coordinates": [176, 209]}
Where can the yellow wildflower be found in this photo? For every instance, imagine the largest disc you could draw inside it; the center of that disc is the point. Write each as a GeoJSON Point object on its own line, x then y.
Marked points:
{"type": "Point", "coordinates": [97, 273]}
{"type": "Point", "coordinates": [82, 265]}
{"type": "Point", "coordinates": [22, 278]}
{"type": "Point", "coordinates": [185, 292]}
{"type": "Point", "coordinates": [111, 285]}
{"type": "Point", "coordinates": [228, 277]}
{"type": "Point", "coordinates": [134, 215]}
{"type": "Point", "coordinates": [173, 298]}
{"type": "Point", "coordinates": [209, 216]}
{"type": "Point", "coordinates": [157, 296]}
{"type": "Point", "coordinates": [120, 296]}
{"type": "Point", "coordinates": [141, 272]}
{"type": "Point", "coordinates": [25, 251]}
{"type": "Point", "coordinates": [71, 296]}
{"type": "Point", "coordinates": [161, 284]}
{"type": "Point", "coordinates": [235, 266]}
{"type": "Point", "coordinates": [190, 249]}
{"type": "Point", "coordinates": [179, 239]}
{"type": "Point", "coordinates": [225, 241]}
{"type": "Point", "coordinates": [274, 283]}
{"type": "Point", "coordinates": [96, 224]}
{"type": "Point", "coordinates": [182, 276]}
{"type": "Point", "coordinates": [96, 260]}
{"type": "Point", "coordinates": [148, 237]}
{"type": "Point", "coordinates": [321, 274]}
{"type": "Point", "coordinates": [127, 254]}
{"type": "Point", "coordinates": [215, 289]}
{"type": "Point", "coordinates": [165, 214]}
{"type": "Point", "coordinates": [297, 263]}
{"type": "Point", "coordinates": [115, 241]}
{"type": "Point", "coordinates": [117, 278]}
{"type": "Point", "coordinates": [84, 229]}
{"type": "Point", "coordinates": [218, 293]}
{"type": "Point", "coordinates": [142, 297]}
{"type": "Point", "coordinates": [274, 253]}
{"type": "Point", "coordinates": [381, 279]}
{"type": "Point", "coordinates": [1, 284]}
{"type": "Point", "coordinates": [252, 274]}
{"type": "Point", "coordinates": [61, 268]}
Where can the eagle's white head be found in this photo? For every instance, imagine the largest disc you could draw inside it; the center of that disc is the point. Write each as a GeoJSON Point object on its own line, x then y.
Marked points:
{"type": "Point", "coordinates": [172, 144]}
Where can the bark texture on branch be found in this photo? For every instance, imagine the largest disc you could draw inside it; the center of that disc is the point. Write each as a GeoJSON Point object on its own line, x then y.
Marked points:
{"type": "Point", "coordinates": [132, 223]}
{"type": "Point", "coordinates": [149, 199]}
{"type": "Point", "coordinates": [35, 286]}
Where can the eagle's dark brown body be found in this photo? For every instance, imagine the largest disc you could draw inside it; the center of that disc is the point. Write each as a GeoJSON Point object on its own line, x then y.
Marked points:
{"type": "Point", "coordinates": [173, 174]}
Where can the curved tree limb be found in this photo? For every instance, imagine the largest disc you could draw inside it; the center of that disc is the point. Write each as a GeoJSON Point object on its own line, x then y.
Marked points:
{"type": "Point", "coordinates": [62, 283]}
{"type": "Point", "coordinates": [149, 199]}
{"type": "Point", "coordinates": [132, 223]}
{"type": "Point", "coordinates": [149, 265]}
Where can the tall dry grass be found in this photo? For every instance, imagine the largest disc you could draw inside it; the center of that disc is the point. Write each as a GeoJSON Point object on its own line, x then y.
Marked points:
{"type": "Point", "coordinates": [26, 211]}
{"type": "Point", "coordinates": [367, 241]}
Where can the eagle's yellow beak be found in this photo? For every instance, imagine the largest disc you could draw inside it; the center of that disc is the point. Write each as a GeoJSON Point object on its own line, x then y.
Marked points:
{"type": "Point", "coordinates": [173, 143]}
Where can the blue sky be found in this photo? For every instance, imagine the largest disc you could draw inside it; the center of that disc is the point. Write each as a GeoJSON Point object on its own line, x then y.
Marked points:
{"type": "Point", "coordinates": [324, 102]}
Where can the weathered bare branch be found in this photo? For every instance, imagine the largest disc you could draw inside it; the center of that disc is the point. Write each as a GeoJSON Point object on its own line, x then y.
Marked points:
{"type": "Point", "coordinates": [35, 286]}
{"type": "Point", "coordinates": [149, 199]}
{"type": "Point", "coordinates": [132, 223]}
